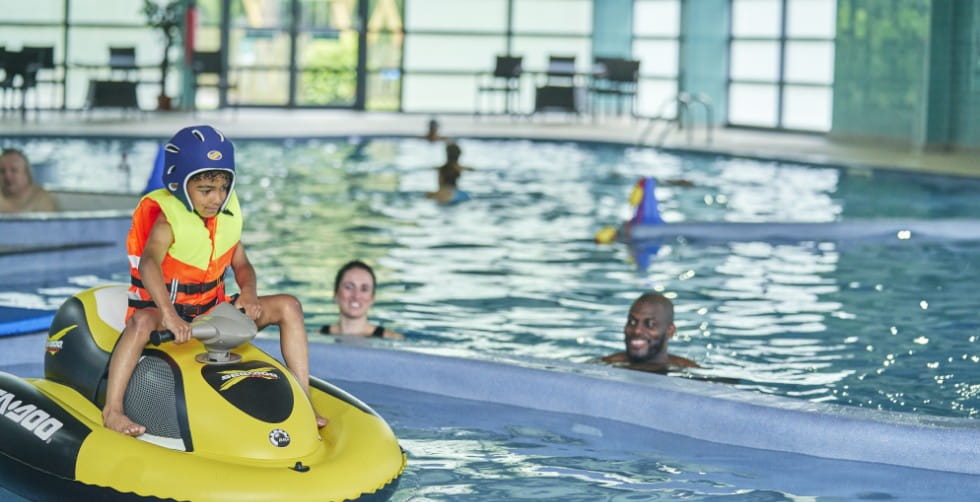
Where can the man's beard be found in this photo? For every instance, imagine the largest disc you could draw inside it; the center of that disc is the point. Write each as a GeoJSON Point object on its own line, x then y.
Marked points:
{"type": "Point", "coordinates": [652, 351]}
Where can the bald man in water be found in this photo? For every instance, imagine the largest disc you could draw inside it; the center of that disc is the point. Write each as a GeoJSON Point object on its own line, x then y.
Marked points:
{"type": "Point", "coordinates": [648, 328]}
{"type": "Point", "coordinates": [18, 192]}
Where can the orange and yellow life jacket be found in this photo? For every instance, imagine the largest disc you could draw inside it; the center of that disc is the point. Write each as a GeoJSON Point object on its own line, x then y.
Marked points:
{"type": "Point", "coordinates": [195, 264]}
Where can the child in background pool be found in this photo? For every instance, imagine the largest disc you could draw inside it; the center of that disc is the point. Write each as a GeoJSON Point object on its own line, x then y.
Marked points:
{"type": "Point", "coordinates": [353, 290]}
{"type": "Point", "coordinates": [432, 133]}
{"type": "Point", "coordinates": [649, 326]}
{"type": "Point", "coordinates": [449, 174]}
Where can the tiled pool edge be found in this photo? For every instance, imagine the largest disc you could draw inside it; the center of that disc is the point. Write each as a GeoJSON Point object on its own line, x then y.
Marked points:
{"type": "Point", "coordinates": [701, 410]}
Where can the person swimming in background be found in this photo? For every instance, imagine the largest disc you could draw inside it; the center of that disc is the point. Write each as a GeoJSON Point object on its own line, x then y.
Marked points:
{"type": "Point", "coordinates": [18, 192]}
{"type": "Point", "coordinates": [432, 133]}
{"type": "Point", "coordinates": [353, 290]}
{"type": "Point", "coordinates": [649, 327]}
{"type": "Point", "coordinates": [449, 174]}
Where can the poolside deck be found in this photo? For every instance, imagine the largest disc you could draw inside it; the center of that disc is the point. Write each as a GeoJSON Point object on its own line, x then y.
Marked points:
{"type": "Point", "coordinates": [809, 148]}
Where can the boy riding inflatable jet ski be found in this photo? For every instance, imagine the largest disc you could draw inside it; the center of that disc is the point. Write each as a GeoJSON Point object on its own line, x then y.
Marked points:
{"type": "Point", "coordinates": [184, 237]}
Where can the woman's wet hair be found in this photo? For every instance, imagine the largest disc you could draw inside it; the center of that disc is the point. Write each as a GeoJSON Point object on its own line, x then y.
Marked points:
{"type": "Point", "coordinates": [349, 266]}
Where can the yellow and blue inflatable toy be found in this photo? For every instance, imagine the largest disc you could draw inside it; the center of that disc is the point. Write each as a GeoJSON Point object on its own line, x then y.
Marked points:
{"type": "Point", "coordinates": [222, 423]}
{"type": "Point", "coordinates": [646, 211]}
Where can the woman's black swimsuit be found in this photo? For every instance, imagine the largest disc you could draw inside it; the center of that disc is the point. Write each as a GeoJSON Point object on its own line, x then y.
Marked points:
{"type": "Point", "coordinates": [378, 332]}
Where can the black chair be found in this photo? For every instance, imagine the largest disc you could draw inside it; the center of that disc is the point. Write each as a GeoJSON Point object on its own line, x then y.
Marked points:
{"type": "Point", "coordinates": [505, 79]}
{"type": "Point", "coordinates": [122, 59]}
{"type": "Point", "coordinates": [618, 80]}
{"type": "Point", "coordinates": [210, 66]}
{"type": "Point", "coordinates": [559, 92]}
{"type": "Point", "coordinates": [7, 81]}
{"type": "Point", "coordinates": [561, 71]}
{"type": "Point", "coordinates": [112, 94]}
{"type": "Point", "coordinates": [3, 77]}
{"type": "Point", "coordinates": [19, 75]}
{"type": "Point", "coordinates": [43, 58]}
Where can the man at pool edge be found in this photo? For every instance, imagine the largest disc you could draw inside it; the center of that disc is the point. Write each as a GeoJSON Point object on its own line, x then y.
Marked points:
{"type": "Point", "coordinates": [649, 327]}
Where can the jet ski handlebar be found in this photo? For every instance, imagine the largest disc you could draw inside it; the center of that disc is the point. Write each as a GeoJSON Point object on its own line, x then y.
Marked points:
{"type": "Point", "coordinates": [221, 330]}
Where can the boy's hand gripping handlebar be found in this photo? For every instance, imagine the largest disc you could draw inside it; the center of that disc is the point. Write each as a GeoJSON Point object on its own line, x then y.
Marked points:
{"type": "Point", "coordinates": [221, 330]}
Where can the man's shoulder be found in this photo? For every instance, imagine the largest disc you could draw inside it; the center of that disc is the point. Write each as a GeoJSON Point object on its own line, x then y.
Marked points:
{"type": "Point", "coordinates": [618, 357]}
{"type": "Point", "coordinates": [682, 362]}
{"type": "Point", "coordinates": [43, 200]}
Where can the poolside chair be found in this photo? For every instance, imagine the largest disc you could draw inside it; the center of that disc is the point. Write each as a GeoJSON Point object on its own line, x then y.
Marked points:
{"type": "Point", "coordinates": [42, 56]}
{"type": "Point", "coordinates": [617, 80]}
{"type": "Point", "coordinates": [505, 80]}
{"type": "Point", "coordinates": [42, 60]}
{"type": "Point", "coordinates": [559, 92]}
{"type": "Point", "coordinates": [561, 71]}
{"type": "Point", "coordinates": [3, 78]}
{"type": "Point", "coordinates": [122, 59]}
{"type": "Point", "coordinates": [112, 94]}
{"type": "Point", "coordinates": [209, 71]}
{"type": "Point", "coordinates": [19, 76]}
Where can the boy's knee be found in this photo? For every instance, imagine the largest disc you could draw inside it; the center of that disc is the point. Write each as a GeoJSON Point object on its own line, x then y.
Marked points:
{"type": "Point", "coordinates": [294, 304]}
{"type": "Point", "coordinates": [289, 307]}
{"type": "Point", "coordinates": [139, 327]}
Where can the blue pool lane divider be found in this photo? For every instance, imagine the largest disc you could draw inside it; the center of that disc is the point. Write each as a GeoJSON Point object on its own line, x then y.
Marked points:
{"type": "Point", "coordinates": [648, 227]}
{"type": "Point", "coordinates": [879, 230]}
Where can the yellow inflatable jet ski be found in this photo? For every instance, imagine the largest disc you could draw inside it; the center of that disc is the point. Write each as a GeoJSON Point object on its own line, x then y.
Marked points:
{"type": "Point", "coordinates": [225, 420]}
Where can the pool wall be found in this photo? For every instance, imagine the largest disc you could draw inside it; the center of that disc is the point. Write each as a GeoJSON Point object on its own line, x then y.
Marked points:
{"type": "Point", "coordinates": [47, 244]}
{"type": "Point", "coordinates": [702, 410]}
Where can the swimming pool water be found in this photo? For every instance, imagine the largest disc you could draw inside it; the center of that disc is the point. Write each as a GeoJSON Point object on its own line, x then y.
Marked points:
{"type": "Point", "coordinates": [460, 449]}
{"type": "Point", "coordinates": [498, 452]}
{"type": "Point", "coordinates": [879, 325]}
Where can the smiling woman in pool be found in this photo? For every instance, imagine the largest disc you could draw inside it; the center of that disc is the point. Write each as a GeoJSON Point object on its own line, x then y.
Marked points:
{"type": "Point", "coordinates": [353, 291]}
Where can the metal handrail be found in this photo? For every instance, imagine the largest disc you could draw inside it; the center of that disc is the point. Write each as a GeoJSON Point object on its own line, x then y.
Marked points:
{"type": "Point", "coordinates": [683, 102]}
{"type": "Point", "coordinates": [705, 101]}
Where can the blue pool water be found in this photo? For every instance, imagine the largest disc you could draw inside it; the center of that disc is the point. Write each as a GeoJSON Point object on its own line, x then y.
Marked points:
{"type": "Point", "coordinates": [887, 325]}
{"type": "Point", "coordinates": [460, 449]}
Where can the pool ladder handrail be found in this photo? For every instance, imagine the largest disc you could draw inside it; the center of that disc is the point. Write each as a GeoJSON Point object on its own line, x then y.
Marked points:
{"type": "Point", "coordinates": [684, 103]}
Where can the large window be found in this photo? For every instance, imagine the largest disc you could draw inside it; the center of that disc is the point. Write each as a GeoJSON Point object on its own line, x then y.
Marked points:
{"type": "Point", "coordinates": [782, 64]}
{"type": "Point", "coordinates": [295, 52]}
{"type": "Point", "coordinates": [656, 32]}
{"type": "Point", "coordinates": [441, 77]}
{"type": "Point", "coordinates": [385, 41]}
{"type": "Point", "coordinates": [440, 74]}
{"type": "Point", "coordinates": [279, 52]}
{"type": "Point", "coordinates": [80, 34]}
{"type": "Point", "coordinates": [430, 55]}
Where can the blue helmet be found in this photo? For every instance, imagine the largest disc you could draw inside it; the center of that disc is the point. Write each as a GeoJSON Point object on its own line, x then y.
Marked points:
{"type": "Point", "coordinates": [193, 150]}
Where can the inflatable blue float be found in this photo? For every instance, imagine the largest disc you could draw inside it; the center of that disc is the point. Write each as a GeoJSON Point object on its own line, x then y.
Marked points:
{"type": "Point", "coordinates": [647, 225]}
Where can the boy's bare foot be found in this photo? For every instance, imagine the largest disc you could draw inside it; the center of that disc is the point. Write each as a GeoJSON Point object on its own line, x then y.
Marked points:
{"type": "Point", "coordinates": [120, 423]}
{"type": "Point", "coordinates": [320, 421]}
